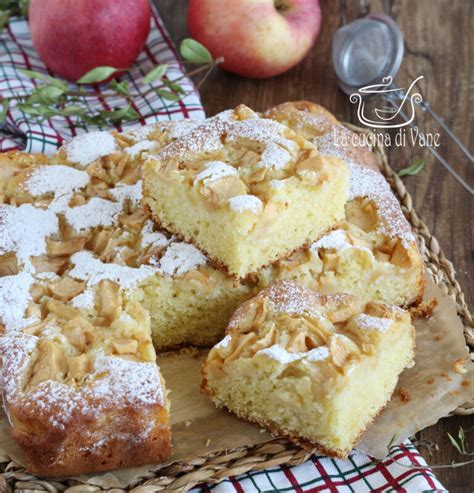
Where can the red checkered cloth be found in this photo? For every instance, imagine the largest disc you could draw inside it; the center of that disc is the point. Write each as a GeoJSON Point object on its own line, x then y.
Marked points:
{"type": "Point", "coordinates": [404, 470]}
{"type": "Point", "coordinates": [17, 52]}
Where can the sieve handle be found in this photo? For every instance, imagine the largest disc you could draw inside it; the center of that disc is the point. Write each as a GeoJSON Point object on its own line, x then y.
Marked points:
{"type": "Point", "coordinates": [426, 107]}
{"type": "Point", "coordinates": [389, 97]}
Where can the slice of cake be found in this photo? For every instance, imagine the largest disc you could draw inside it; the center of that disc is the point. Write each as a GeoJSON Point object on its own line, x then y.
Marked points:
{"type": "Point", "coordinates": [80, 384]}
{"type": "Point", "coordinates": [373, 253]}
{"type": "Point", "coordinates": [316, 369]}
{"type": "Point", "coordinates": [84, 396]}
{"type": "Point", "coordinates": [245, 190]}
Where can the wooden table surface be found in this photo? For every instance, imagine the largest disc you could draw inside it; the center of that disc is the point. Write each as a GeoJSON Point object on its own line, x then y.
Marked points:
{"type": "Point", "coordinates": [439, 45]}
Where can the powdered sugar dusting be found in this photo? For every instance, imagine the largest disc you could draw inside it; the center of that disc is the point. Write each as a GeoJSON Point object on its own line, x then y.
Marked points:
{"type": "Point", "coordinates": [280, 354]}
{"type": "Point", "coordinates": [214, 170]}
{"type": "Point", "coordinates": [318, 354]}
{"type": "Point", "coordinates": [277, 184]}
{"type": "Point", "coordinates": [24, 230]}
{"type": "Point", "coordinates": [141, 132]}
{"type": "Point", "coordinates": [14, 298]}
{"type": "Point", "coordinates": [373, 323]}
{"type": "Point", "coordinates": [335, 240]}
{"type": "Point", "coordinates": [180, 258]}
{"type": "Point", "coordinates": [144, 145]}
{"type": "Point", "coordinates": [84, 300]}
{"type": "Point", "coordinates": [121, 193]}
{"type": "Point", "coordinates": [242, 203]}
{"type": "Point", "coordinates": [56, 179]}
{"type": "Point", "coordinates": [367, 182]}
{"type": "Point", "coordinates": [151, 238]}
{"type": "Point", "coordinates": [88, 147]}
{"type": "Point", "coordinates": [256, 129]}
{"type": "Point", "coordinates": [91, 269]}
{"type": "Point", "coordinates": [181, 128]}
{"type": "Point", "coordinates": [294, 299]}
{"type": "Point", "coordinates": [285, 357]}
{"type": "Point", "coordinates": [113, 382]}
{"type": "Point", "coordinates": [276, 154]}
{"type": "Point", "coordinates": [97, 212]}
{"type": "Point", "coordinates": [206, 137]}
{"type": "Point", "coordinates": [274, 157]}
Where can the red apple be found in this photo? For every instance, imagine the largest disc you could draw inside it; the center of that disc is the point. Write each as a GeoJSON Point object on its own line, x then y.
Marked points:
{"type": "Point", "coordinates": [74, 36]}
{"type": "Point", "coordinates": [257, 38]}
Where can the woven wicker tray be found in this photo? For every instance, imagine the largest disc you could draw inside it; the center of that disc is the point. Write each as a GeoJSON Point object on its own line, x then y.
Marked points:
{"type": "Point", "coordinates": [181, 476]}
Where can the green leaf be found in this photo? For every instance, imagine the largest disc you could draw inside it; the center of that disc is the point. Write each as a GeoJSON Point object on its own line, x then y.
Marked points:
{"type": "Point", "coordinates": [454, 443]}
{"type": "Point", "coordinates": [120, 87]}
{"type": "Point", "coordinates": [32, 74]}
{"type": "Point", "coordinates": [155, 73]}
{"type": "Point", "coordinates": [194, 52]}
{"type": "Point", "coordinates": [395, 436]}
{"type": "Point", "coordinates": [36, 110]}
{"type": "Point", "coordinates": [46, 95]}
{"type": "Point", "coordinates": [4, 111]}
{"type": "Point", "coordinates": [414, 169]}
{"type": "Point", "coordinates": [173, 85]}
{"type": "Point", "coordinates": [60, 84]}
{"type": "Point", "coordinates": [98, 74]}
{"type": "Point", "coordinates": [93, 120]}
{"type": "Point", "coordinates": [73, 110]}
{"type": "Point", "coordinates": [168, 95]}
{"type": "Point", "coordinates": [127, 113]}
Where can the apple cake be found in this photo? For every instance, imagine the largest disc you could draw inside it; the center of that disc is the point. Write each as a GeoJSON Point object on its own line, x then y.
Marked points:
{"type": "Point", "coordinates": [86, 276]}
{"type": "Point", "coordinates": [82, 395]}
{"type": "Point", "coordinates": [371, 253]}
{"type": "Point", "coordinates": [80, 383]}
{"type": "Point", "coordinates": [299, 364]}
{"type": "Point", "coordinates": [246, 190]}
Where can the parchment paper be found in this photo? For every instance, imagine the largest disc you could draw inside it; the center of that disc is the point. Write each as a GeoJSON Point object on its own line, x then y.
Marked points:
{"type": "Point", "coordinates": [431, 390]}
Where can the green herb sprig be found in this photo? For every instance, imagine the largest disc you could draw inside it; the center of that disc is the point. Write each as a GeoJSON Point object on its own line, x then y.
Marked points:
{"type": "Point", "coordinates": [459, 444]}
{"type": "Point", "coordinates": [55, 97]}
{"type": "Point", "coordinates": [414, 169]}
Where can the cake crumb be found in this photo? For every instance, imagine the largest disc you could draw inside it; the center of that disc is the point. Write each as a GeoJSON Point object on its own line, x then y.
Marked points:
{"type": "Point", "coordinates": [404, 394]}
{"type": "Point", "coordinates": [459, 367]}
{"type": "Point", "coordinates": [424, 309]}
{"type": "Point", "coordinates": [446, 376]}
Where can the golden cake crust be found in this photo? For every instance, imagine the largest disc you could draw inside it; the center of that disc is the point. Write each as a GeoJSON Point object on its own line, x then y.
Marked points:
{"type": "Point", "coordinates": [244, 177]}
{"type": "Point", "coordinates": [313, 336]}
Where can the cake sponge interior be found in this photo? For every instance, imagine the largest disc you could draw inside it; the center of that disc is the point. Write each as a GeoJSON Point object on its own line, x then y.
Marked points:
{"type": "Point", "coordinates": [316, 369]}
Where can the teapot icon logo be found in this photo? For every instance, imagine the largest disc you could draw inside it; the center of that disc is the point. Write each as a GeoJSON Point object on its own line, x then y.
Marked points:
{"type": "Point", "coordinates": [386, 115]}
